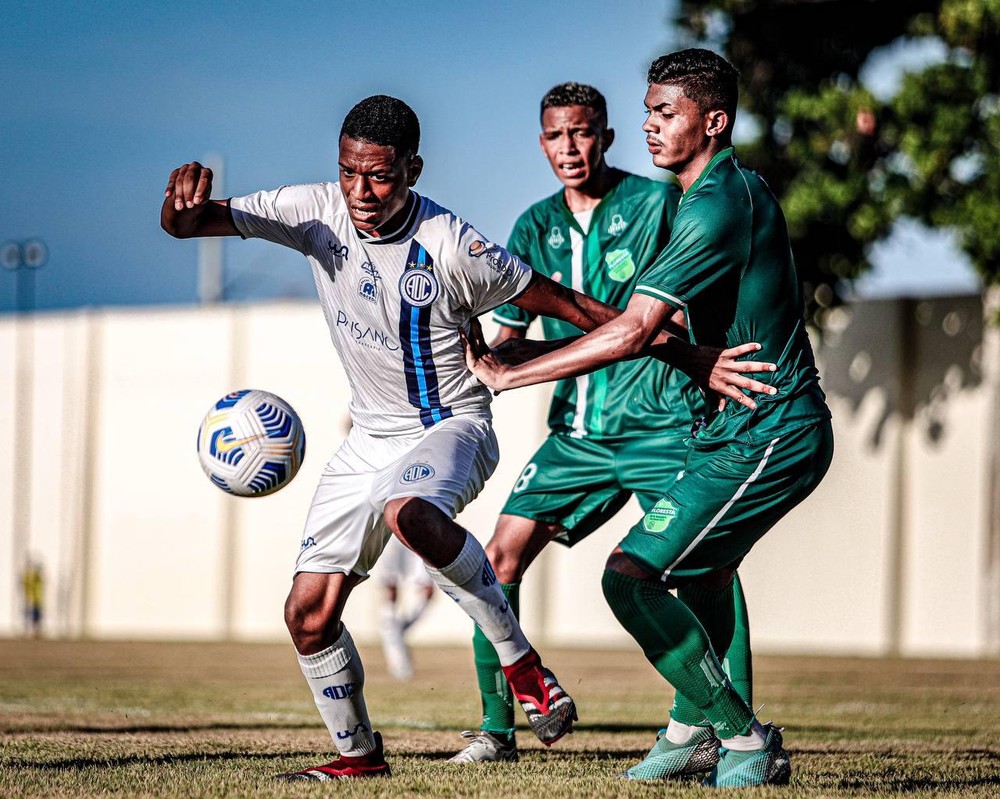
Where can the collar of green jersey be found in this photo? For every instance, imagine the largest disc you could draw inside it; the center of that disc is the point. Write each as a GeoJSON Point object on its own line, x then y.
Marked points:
{"type": "Point", "coordinates": [719, 156]}
{"type": "Point", "coordinates": [598, 209]}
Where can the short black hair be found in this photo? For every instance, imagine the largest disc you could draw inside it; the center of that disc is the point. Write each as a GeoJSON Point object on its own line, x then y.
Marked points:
{"type": "Point", "coordinates": [385, 121]}
{"type": "Point", "coordinates": [705, 77]}
{"type": "Point", "coordinates": [571, 93]}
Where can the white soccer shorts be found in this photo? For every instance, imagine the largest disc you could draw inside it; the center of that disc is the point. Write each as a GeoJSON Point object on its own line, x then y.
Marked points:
{"type": "Point", "coordinates": [446, 465]}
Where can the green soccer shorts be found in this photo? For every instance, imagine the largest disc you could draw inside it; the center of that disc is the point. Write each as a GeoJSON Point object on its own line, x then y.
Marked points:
{"type": "Point", "coordinates": [580, 483]}
{"type": "Point", "coordinates": [726, 498]}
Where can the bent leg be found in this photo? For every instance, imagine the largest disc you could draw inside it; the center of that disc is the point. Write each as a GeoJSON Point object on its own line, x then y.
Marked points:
{"type": "Point", "coordinates": [457, 564]}
{"type": "Point", "coordinates": [328, 658]}
{"type": "Point", "coordinates": [675, 643]}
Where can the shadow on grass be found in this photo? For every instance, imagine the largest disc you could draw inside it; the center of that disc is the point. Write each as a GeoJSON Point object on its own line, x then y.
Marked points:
{"type": "Point", "coordinates": [132, 729]}
{"type": "Point", "coordinates": [84, 763]}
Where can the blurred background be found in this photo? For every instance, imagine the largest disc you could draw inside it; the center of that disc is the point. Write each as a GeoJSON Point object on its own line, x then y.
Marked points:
{"type": "Point", "coordinates": [876, 123]}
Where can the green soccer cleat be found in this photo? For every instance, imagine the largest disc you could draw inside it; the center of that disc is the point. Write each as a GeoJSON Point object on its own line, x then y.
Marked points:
{"type": "Point", "coordinates": [666, 759]}
{"type": "Point", "coordinates": [767, 766]}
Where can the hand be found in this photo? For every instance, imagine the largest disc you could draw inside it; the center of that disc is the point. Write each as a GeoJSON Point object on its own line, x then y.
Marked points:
{"type": "Point", "coordinates": [718, 372]}
{"type": "Point", "coordinates": [515, 351]}
{"type": "Point", "coordinates": [189, 185]}
{"type": "Point", "coordinates": [480, 358]}
{"type": "Point", "coordinates": [727, 378]}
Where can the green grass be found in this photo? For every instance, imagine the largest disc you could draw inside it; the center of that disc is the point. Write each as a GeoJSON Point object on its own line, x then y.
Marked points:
{"type": "Point", "coordinates": [186, 720]}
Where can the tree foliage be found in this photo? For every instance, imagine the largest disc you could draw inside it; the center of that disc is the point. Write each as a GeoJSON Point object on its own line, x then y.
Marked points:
{"type": "Point", "coordinates": [845, 163]}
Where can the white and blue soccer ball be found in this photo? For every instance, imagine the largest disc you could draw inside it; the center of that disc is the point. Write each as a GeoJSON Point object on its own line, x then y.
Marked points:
{"type": "Point", "coordinates": [251, 443]}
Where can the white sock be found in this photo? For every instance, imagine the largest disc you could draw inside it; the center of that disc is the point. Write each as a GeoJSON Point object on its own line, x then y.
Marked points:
{"type": "Point", "coordinates": [680, 733]}
{"type": "Point", "coordinates": [753, 740]}
{"type": "Point", "coordinates": [337, 678]}
{"type": "Point", "coordinates": [470, 581]}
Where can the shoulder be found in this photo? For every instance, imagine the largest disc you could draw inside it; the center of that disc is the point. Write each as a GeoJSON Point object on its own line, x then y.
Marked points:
{"type": "Point", "coordinates": [539, 215]}
{"type": "Point", "coordinates": [650, 193]}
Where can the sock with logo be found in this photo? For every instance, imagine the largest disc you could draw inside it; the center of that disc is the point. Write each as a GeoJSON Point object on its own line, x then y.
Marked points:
{"type": "Point", "coordinates": [337, 678]}
{"type": "Point", "coordinates": [494, 690]}
{"type": "Point", "coordinates": [723, 615]}
{"type": "Point", "coordinates": [470, 581]}
{"type": "Point", "coordinates": [677, 646]}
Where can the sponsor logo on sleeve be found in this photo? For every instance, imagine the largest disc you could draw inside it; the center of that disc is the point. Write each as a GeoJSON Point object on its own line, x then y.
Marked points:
{"type": "Point", "coordinates": [478, 247]}
{"type": "Point", "coordinates": [493, 256]}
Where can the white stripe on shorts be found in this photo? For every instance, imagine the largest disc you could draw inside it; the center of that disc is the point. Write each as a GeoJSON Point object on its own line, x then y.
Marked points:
{"type": "Point", "coordinates": [722, 512]}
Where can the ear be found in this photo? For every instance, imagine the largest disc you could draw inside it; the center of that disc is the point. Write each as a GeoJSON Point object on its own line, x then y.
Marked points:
{"type": "Point", "coordinates": [607, 139]}
{"type": "Point", "coordinates": [716, 123]}
{"type": "Point", "coordinates": [415, 168]}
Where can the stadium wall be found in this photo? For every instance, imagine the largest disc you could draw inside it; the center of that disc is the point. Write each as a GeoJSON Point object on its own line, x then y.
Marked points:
{"type": "Point", "coordinates": [896, 552]}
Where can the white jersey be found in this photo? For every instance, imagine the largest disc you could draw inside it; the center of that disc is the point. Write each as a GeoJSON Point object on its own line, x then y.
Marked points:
{"type": "Point", "coordinates": [394, 304]}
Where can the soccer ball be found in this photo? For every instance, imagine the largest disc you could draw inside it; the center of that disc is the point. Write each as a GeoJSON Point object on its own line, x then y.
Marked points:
{"type": "Point", "coordinates": [251, 443]}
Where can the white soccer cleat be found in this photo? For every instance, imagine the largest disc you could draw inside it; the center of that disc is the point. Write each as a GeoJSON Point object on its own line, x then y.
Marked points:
{"type": "Point", "coordinates": [484, 747]}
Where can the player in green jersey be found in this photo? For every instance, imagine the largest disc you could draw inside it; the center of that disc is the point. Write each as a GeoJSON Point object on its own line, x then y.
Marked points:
{"type": "Point", "coordinates": [728, 267]}
{"type": "Point", "coordinates": [615, 432]}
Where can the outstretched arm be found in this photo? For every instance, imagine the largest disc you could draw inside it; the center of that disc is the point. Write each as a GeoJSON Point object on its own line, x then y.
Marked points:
{"type": "Point", "coordinates": [636, 331]}
{"type": "Point", "coordinates": [187, 211]}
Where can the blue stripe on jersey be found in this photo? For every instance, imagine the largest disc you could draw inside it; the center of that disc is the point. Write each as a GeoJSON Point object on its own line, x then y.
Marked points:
{"type": "Point", "coordinates": [418, 360]}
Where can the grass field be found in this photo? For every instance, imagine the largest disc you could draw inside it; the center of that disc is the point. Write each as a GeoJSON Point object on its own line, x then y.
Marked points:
{"type": "Point", "coordinates": [186, 720]}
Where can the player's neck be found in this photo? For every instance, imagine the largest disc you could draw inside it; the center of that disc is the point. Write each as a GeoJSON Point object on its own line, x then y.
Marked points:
{"type": "Point", "coordinates": [694, 168]}
{"type": "Point", "coordinates": [589, 196]}
{"type": "Point", "coordinates": [394, 224]}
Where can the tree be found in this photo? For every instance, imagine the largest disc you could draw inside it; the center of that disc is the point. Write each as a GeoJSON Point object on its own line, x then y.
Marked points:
{"type": "Point", "coordinates": [846, 164]}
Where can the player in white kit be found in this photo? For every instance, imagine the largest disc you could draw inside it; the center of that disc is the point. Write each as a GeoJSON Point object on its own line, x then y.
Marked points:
{"type": "Point", "coordinates": [397, 276]}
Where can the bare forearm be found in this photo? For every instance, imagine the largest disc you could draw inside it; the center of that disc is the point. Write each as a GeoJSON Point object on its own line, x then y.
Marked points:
{"type": "Point", "coordinates": [572, 357]}
{"type": "Point", "coordinates": [545, 297]}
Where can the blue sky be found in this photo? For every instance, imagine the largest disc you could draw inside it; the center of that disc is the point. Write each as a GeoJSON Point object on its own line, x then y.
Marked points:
{"type": "Point", "coordinates": [100, 100]}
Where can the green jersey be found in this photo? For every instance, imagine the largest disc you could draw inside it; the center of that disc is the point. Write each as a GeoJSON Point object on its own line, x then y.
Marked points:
{"type": "Point", "coordinates": [729, 265]}
{"type": "Point", "coordinates": [627, 230]}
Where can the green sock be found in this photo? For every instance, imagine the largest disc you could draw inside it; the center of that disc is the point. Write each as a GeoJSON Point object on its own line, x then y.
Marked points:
{"type": "Point", "coordinates": [723, 614]}
{"type": "Point", "coordinates": [738, 661]}
{"type": "Point", "coordinates": [498, 702]}
{"type": "Point", "coordinates": [674, 641]}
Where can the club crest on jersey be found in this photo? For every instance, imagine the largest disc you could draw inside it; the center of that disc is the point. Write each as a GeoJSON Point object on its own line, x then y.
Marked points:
{"type": "Point", "coordinates": [556, 238]}
{"type": "Point", "coordinates": [618, 225]}
{"type": "Point", "coordinates": [368, 285]}
{"type": "Point", "coordinates": [620, 265]}
{"type": "Point", "coordinates": [659, 516]}
{"type": "Point", "coordinates": [419, 287]}
{"type": "Point", "coordinates": [416, 472]}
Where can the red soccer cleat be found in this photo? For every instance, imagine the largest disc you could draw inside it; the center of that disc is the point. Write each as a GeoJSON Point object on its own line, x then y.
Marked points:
{"type": "Point", "coordinates": [346, 768]}
{"type": "Point", "coordinates": [550, 710]}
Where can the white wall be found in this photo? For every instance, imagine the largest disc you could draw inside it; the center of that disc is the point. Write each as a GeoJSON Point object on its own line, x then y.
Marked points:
{"type": "Point", "coordinates": [891, 554]}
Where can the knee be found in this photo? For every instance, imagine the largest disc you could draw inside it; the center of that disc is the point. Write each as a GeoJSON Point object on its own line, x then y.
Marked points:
{"type": "Point", "coordinates": [718, 580]}
{"type": "Point", "coordinates": [311, 628]}
{"type": "Point", "coordinates": [409, 517]}
{"type": "Point", "coordinates": [507, 565]}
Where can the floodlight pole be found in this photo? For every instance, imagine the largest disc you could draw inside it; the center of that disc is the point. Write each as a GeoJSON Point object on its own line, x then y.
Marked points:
{"type": "Point", "coordinates": [23, 258]}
